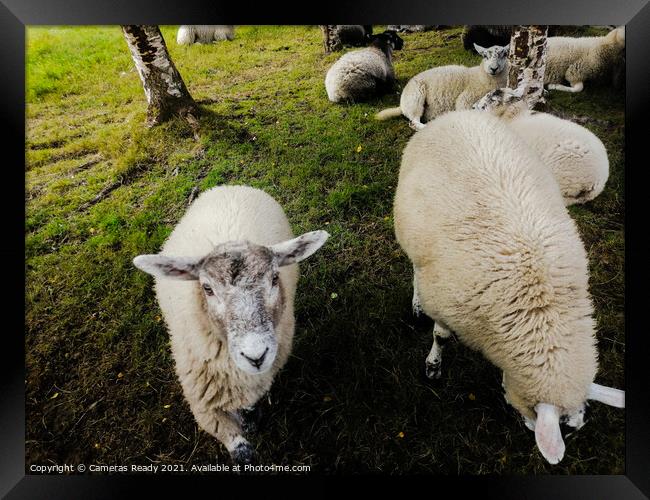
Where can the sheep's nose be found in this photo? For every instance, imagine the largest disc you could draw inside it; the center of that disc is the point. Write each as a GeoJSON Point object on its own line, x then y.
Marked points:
{"type": "Point", "coordinates": [256, 362]}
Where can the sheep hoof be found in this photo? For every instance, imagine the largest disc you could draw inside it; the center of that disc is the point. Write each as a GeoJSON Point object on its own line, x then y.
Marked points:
{"type": "Point", "coordinates": [433, 370]}
{"type": "Point", "coordinates": [243, 454]}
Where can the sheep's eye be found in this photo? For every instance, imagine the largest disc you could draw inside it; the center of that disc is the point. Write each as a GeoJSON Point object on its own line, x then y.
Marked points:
{"type": "Point", "coordinates": [275, 279]}
{"type": "Point", "coordinates": [208, 290]}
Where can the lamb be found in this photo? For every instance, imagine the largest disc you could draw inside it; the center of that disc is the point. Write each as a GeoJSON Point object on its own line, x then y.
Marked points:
{"type": "Point", "coordinates": [364, 73]}
{"type": "Point", "coordinates": [204, 33]}
{"type": "Point", "coordinates": [225, 281]}
{"type": "Point", "coordinates": [445, 88]}
{"type": "Point", "coordinates": [577, 60]}
{"type": "Point", "coordinates": [498, 260]}
{"type": "Point", "coordinates": [577, 158]}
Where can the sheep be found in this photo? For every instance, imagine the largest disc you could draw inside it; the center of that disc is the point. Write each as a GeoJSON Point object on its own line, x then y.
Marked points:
{"type": "Point", "coordinates": [225, 281]}
{"type": "Point", "coordinates": [577, 60]}
{"type": "Point", "coordinates": [445, 88]}
{"type": "Point", "coordinates": [498, 260]}
{"type": "Point", "coordinates": [577, 158]}
{"type": "Point", "coordinates": [363, 73]}
{"type": "Point", "coordinates": [354, 34]}
{"type": "Point", "coordinates": [204, 33]}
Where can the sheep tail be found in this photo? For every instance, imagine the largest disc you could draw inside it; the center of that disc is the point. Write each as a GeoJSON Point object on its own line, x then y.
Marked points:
{"type": "Point", "coordinates": [389, 113]}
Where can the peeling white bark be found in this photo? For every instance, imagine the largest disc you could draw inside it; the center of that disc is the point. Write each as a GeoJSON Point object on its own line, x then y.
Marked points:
{"type": "Point", "coordinates": [163, 86]}
{"type": "Point", "coordinates": [331, 39]}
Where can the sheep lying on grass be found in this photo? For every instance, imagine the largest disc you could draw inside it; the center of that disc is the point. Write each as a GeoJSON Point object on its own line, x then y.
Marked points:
{"type": "Point", "coordinates": [204, 33]}
{"type": "Point", "coordinates": [445, 88]}
{"type": "Point", "coordinates": [498, 260]}
{"type": "Point", "coordinates": [225, 282]}
{"type": "Point", "coordinates": [364, 73]}
{"type": "Point", "coordinates": [577, 158]}
{"type": "Point", "coordinates": [577, 60]}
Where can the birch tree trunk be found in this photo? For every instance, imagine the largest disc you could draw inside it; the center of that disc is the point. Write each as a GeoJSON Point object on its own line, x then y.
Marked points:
{"type": "Point", "coordinates": [331, 39]}
{"type": "Point", "coordinates": [166, 93]}
{"type": "Point", "coordinates": [527, 59]}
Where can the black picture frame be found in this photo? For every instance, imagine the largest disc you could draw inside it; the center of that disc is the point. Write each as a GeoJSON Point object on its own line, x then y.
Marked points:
{"type": "Point", "coordinates": [635, 14]}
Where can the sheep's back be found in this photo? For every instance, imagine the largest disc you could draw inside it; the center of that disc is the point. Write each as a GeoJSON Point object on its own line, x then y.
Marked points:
{"type": "Point", "coordinates": [577, 158]}
{"type": "Point", "coordinates": [472, 198]}
{"type": "Point", "coordinates": [356, 73]}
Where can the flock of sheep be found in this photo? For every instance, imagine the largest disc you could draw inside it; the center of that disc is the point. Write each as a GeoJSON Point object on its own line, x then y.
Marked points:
{"type": "Point", "coordinates": [480, 210]}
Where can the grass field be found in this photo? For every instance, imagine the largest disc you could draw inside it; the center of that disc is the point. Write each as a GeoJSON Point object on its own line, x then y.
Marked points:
{"type": "Point", "coordinates": [100, 189]}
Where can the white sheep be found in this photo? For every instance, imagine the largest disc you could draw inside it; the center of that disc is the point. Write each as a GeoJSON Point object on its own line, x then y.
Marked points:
{"type": "Point", "coordinates": [498, 260]}
{"type": "Point", "coordinates": [445, 88]}
{"type": "Point", "coordinates": [204, 33]}
{"type": "Point", "coordinates": [363, 73]}
{"type": "Point", "coordinates": [225, 281]}
{"type": "Point", "coordinates": [577, 158]}
{"type": "Point", "coordinates": [577, 60]}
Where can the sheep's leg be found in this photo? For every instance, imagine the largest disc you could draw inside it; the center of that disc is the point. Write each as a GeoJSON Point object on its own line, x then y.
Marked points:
{"type": "Point", "coordinates": [416, 304]}
{"type": "Point", "coordinates": [575, 87]}
{"type": "Point", "coordinates": [529, 423]}
{"type": "Point", "coordinates": [440, 336]}
{"type": "Point", "coordinates": [226, 427]}
{"type": "Point", "coordinates": [251, 417]}
{"type": "Point", "coordinates": [412, 104]}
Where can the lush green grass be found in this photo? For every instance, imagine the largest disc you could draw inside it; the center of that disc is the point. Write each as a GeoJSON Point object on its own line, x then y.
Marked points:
{"type": "Point", "coordinates": [353, 397]}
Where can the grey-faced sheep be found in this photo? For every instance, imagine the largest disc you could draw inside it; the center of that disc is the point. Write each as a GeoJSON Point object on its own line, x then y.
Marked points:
{"type": "Point", "coordinates": [364, 73]}
{"type": "Point", "coordinates": [498, 260]}
{"type": "Point", "coordinates": [576, 60]}
{"type": "Point", "coordinates": [445, 88]}
{"type": "Point", "coordinates": [225, 281]}
{"type": "Point", "coordinates": [204, 33]}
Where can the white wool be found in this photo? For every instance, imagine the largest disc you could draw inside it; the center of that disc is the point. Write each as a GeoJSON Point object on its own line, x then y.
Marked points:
{"type": "Point", "coordinates": [445, 88]}
{"type": "Point", "coordinates": [204, 33]}
{"type": "Point", "coordinates": [497, 258]}
{"type": "Point", "coordinates": [577, 60]}
{"type": "Point", "coordinates": [212, 384]}
{"type": "Point", "coordinates": [356, 73]}
{"type": "Point", "coordinates": [577, 158]}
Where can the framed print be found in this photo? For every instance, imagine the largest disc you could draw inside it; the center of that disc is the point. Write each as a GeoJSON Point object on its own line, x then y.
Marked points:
{"type": "Point", "coordinates": [275, 250]}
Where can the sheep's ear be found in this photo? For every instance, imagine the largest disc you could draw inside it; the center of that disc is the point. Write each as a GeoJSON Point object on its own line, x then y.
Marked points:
{"type": "Point", "coordinates": [547, 432]}
{"type": "Point", "coordinates": [292, 251]}
{"type": "Point", "coordinates": [180, 268]}
{"type": "Point", "coordinates": [607, 395]}
{"type": "Point", "coordinates": [481, 50]}
{"type": "Point", "coordinates": [504, 50]}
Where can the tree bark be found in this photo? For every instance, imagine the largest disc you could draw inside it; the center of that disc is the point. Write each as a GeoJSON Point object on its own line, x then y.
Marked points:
{"type": "Point", "coordinates": [166, 93]}
{"type": "Point", "coordinates": [527, 59]}
{"type": "Point", "coordinates": [331, 39]}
